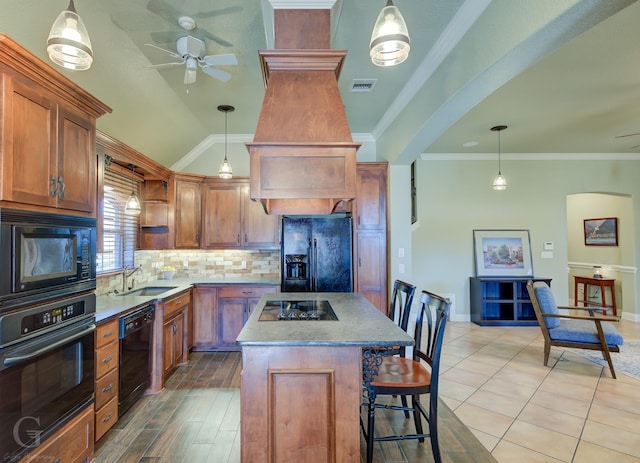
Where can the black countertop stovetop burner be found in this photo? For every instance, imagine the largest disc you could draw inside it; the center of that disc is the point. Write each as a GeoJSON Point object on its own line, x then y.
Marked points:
{"type": "Point", "coordinates": [297, 310]}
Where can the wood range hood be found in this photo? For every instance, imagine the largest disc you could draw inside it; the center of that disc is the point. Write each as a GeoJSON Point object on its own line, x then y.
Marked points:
{"type": "Point", "coordinates": [302, 158]}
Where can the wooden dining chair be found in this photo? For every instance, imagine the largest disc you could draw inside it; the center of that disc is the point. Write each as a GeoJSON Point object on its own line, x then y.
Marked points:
{"type": "Point", "coordinates": [400, 303]}
{"type": "Point", "coordinates": [587, 330]}
{"type": "Point", "coordinates": [411, 376]}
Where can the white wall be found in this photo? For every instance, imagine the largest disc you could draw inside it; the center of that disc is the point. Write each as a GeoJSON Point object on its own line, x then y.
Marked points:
{"type": "Point", "coordinates": [455, 197]}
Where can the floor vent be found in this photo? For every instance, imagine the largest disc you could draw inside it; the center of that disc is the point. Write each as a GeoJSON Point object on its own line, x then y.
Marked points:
{"type": "Point", "coordinates": [363, 85]}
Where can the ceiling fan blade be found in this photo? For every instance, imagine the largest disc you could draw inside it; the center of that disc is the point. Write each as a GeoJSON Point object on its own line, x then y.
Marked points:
{"type": "Point", "coordinates": [189, 76]}
{"type": "Point", "coordinates": [171, 53]}
{"type": "Point", "coordinates": [166, 65]}
{"type": "Point", "coordinates": [164, 10]}
{"type": "Point", "coordinates": [219, 74]}
{"type": "Point", "coordinates": [219, 11]}
{"type": "Point", "coordinates": [628, 135]}
{"type": "Point", "coordinates": [225, 59]}
{"type": "Point", "coordinates": [166, 37]}
{"type": "Point", "coordinates": [215, 38]}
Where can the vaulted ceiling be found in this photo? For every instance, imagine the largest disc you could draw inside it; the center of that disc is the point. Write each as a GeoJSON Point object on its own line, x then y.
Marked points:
{"type": "Point", "coordinates": [564, 75]}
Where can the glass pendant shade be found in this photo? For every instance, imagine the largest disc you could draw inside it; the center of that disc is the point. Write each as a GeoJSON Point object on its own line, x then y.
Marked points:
{"type": "Point", "coordinates": [132, 206]}
{"type": "Point", "coordinates": [68, 44]}
{"type": "Point", "coordinates": [390, 43]}
{"type": "Point", "coordinates": [225, 171]}
{"type": "Point", "coordinates": [499, 183]}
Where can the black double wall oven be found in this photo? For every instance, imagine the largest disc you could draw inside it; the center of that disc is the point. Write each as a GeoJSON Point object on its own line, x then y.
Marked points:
{"type": "Point", "coordinates": [47, 324]}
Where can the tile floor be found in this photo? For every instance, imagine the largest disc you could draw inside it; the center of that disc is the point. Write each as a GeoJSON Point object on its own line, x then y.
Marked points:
{"type": "Point", "coordinates": [572, 411]}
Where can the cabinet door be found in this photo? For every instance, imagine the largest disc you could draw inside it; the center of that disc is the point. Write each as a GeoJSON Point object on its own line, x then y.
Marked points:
{"type": "Point", "coordinates": [371, 272]}
{"type": "Point", "coordinates": [205, 301]}
{"type": "Point", "coordinates": [76, 162]}
{"type": "Point", "coordinates": [187, 215]}
{"type": "Point", "coordinates": [221, 215]}
{"type": "Point", "coordinates": [28, 143]}
{"type": "Point", "coordinates": [231, 317]}
{"type": "Point", "coordinates": [179, 339]}
{"type": "Point", "coordinates": [259, 229]}
{"type": "Point", "coordinates": [371, 194]}
{"type": "Point", "coordinates": [167, 347]}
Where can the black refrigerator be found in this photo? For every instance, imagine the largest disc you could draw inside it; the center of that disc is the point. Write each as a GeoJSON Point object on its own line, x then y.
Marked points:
{"type": "Point", "coordinates": [317, 254]}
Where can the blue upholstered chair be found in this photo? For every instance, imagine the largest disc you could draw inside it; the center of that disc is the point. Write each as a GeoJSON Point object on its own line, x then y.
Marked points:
{"type": "Point", "coordinates": [583, 331]}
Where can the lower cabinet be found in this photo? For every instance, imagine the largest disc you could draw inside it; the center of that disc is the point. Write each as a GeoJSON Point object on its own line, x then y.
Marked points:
{"type": "Point", "coordinates": [175, 332]}
{"type": "Point", "coordinates": [73, 443]}
{"type": "Point", "coordinates": [220, 312]}
{"type": "Point", "coordinates": [106, 388]}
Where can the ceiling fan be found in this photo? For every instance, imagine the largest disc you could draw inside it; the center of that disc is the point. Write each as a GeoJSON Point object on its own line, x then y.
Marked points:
{"type": "Point", "coordinates": [630, 135]}
{"type": "Point", "coordinates": [191, 52]}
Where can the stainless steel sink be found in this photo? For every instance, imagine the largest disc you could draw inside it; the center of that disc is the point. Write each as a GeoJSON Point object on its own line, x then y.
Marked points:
{"type": "Point", "coordinates": [148, 291]}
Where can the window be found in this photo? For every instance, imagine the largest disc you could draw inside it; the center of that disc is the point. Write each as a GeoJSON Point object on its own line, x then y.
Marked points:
{"type": "Point", "coordinates": [119, 232]}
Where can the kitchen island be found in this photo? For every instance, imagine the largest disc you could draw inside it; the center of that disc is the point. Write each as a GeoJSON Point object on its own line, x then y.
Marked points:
{"type": "Point", "coordinates": [301, 385]}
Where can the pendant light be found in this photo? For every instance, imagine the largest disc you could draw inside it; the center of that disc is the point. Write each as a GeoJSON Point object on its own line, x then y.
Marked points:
{"type": "Point", "coordinates": [225, 170]}
{"type": "Point", "coordinates": [499, 183]}
{"type": "Point", "coordinates": [390, 43]}
{"type": "Point", "coordinates": [132, 206]}
{"type": "Point", "coordinates": [68, 44]}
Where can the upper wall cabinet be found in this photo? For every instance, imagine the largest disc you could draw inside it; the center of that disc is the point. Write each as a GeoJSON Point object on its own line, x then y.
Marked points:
{"type": "Point", "coordinates": [187, 211]}
{"type": "Point", "coordinates": [47, 134]}
{"type": "Point", "coordinates": [231, 220]}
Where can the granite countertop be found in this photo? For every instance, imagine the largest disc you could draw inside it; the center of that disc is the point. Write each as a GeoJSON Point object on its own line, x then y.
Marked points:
{"type": "Point", "coordinates": [111, 306]}
{"type": "Point", "coordinates": [359, 323]}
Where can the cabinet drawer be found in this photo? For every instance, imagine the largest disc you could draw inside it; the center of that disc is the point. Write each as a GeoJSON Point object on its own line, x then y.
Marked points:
{"type": "Point", "coordinates": [73, 443]}
{"type": "Point", "coordinates": [173, 305]}
{"type": "Point", "coordinates": [245, 291]}
{"type": "Point", "coordinates": [106, 359]}
{"type": "Point", "coordinates": [107, 388]}
{"type": "Point", "coordinates": [106, 332]}
{"type": "Point", "coordinates": [106, 417]}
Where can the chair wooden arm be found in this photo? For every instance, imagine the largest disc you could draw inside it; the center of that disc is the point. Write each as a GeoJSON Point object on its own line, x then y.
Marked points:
{"type": "Point", "coordinates": [603, 318]}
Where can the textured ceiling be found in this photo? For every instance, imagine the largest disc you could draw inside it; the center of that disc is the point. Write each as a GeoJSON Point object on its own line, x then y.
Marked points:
{"type": "Point", "coordinates": [564, 75]}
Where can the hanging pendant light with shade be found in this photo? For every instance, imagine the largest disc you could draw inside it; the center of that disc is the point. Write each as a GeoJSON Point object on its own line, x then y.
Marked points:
{"type": "Point", "coordinates": [499, 183]}
{"type": "Point", "coordinates": [225, 170]}
{"type": "Point", "coordinates": [390, 43]}
{"type": "Point", "coordinates": [132, 206]}
{"type": "Point", "coordinates": [68, 44]}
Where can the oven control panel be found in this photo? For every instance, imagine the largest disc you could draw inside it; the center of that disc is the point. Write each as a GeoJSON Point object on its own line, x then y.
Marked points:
{"type": "Point", "coordinates": [53, 316]}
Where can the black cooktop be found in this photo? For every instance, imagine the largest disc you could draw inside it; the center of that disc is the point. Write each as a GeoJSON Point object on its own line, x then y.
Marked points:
{"type": "Point", "coordinates": [297, 310]}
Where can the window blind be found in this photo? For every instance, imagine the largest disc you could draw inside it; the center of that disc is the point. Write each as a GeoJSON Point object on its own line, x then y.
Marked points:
{"type": "Point", "coordinates": [120, 230]}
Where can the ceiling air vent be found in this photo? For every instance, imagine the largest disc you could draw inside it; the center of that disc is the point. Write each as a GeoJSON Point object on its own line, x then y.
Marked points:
{"type": "Point", "coordinates": [362, 85]}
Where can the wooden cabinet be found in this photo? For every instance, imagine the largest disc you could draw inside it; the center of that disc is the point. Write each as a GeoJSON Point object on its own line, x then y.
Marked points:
{"type": "Point", "coordinates": [175, 332]}
{"type": "Point", "coordinates": [106, 388]}
{"type": "Point", "coordinates": [73, 443]}
{"type": "Point", "coordinates": [370, 233]}
{"type": "Point", "coordinates": [220, 312]}
{"type": "Point", "coordinates": [502, 301]}
{"type": "Point", "coordinates": [231, 220]}
{"type": "Point", "coordinates": [187, 213]}
{"type": "Point", "coordinates": [47, 137]}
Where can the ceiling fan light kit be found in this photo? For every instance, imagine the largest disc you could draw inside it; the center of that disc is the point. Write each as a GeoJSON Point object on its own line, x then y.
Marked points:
{"type": "Point", "coordinates": [390, 43]}
{"type": "Point", "coordinates": [68, 44]}
{"type": "Point", "coordinates": [499, 183]}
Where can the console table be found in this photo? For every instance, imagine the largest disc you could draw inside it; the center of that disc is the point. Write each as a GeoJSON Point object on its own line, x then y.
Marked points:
{"type": "Point", "coordinates": [602, 283]}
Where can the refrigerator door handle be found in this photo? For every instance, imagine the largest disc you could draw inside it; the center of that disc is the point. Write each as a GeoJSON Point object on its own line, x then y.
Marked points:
{"type": "Point", "coordinates": [315, 265]}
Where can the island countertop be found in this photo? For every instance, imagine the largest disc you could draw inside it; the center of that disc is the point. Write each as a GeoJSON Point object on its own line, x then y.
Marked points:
{"type": "Point", "coordinates": [359, 323]}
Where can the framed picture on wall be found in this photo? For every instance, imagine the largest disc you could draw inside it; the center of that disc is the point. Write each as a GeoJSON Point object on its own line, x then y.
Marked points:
{"type": "Point", "coordinates": [502, 253]}
{"type": "Point", "coordinates": [601, 232]}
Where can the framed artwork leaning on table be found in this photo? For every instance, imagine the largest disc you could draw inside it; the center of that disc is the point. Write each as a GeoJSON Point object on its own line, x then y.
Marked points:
{"type": "Point", "coordinates": [502, 253]}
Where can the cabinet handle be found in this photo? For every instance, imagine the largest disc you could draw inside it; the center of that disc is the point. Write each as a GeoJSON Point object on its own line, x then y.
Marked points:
{"type": "Point", "coordinates": [358, 220]}
{"type": "Point", "coordinates": [197, 237]}
{"type": "Point", "coordinates": [175, 328]}
{"type": "Point", "coordinates": [238, 238]}
{"type": "Point", "coordinates": [107, 334]}
{"type": "Point", "coordinates": [54, 189]}
{"type": "Point", "coordinates": [108, 388]}
{"type": "Point", "coordinates": [247, 292]}
{"type": "Point", "coordinates": [359, 261]}
{"type": "Point", "coordinates": [245, 238]}
{"type": "Point", "coordinates": [107, 418]}
{"type": "Point", "coordinates": [108, 359]}
{"type": "Point", "coordinates": [61, 192]}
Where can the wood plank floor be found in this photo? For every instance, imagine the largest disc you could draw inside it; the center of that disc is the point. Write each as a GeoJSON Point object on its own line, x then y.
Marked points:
{"type": "Point", "coordinates": [197, 419]}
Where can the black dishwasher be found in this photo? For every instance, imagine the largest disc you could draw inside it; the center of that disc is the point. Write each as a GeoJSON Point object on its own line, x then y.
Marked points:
{"type": "Point", "coordinates": [136, 338]}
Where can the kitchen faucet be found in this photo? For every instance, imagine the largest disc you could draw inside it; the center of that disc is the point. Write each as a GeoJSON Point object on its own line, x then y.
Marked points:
{"type": "Point", "coordinates": [126, 275]}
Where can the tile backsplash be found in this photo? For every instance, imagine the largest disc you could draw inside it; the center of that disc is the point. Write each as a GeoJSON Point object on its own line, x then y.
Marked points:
{"type": "Point", "coordinates": [194, 264]}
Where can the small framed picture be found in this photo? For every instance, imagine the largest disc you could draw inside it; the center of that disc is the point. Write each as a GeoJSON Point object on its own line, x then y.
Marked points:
{"type": "Point", "coordinates": [502, 253]}
{"type": "Point", "coordinates": [601, 232]}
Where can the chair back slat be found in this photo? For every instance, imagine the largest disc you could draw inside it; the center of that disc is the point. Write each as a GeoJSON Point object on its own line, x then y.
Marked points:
{"type": "Point", "coordinates": [400, 304]}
